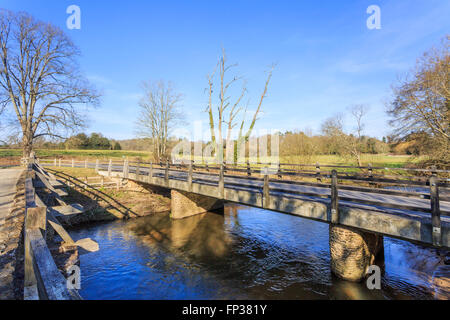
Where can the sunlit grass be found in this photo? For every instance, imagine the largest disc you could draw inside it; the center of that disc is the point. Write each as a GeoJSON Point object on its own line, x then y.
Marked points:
{"type": "Point", "coordinates": [77, 154]}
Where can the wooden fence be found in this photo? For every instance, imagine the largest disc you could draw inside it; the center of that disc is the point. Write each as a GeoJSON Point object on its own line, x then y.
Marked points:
{"type": "Point", "coordinates": [43, 280]}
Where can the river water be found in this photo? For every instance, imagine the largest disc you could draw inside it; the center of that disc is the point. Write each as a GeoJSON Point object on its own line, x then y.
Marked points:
{"type": "Point", "coordinates": [245, 253]}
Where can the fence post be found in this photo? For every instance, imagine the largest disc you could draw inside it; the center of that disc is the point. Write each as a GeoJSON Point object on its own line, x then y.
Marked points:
{"type": "Point", "coordinates": [370, 174]}
{"type": "Point", "coordinates": [435, 211]}
{"type": "Point", "coordinates": [150, 172]}
{"type": "Point", "coordinates": [279, 171]}
{"type": "Point", "coordinates": [334, 198]}
{"type": "Point", "coordinates": [73, 163]}
{"type": "Point", "coordinates": [138, 169]}
{"type": "Point", "coordinates": [190, 176]}
{"type": "Point", "coordinates": [166, 173]}
{"type": "Point", "coordinates": [96, 165]}
{"type": "Point", "coordinates": [221, 182]}
{"type": "Point", "coordinates": [125, 168]}
{"type": "Point", "coordinates": [54, 164]}
{"type": "Point", "coordinates": [266, 191]}
{"type": "Point", "coordinates": [109, 167]}
{"type": "Point", "coordinates": [206, 165]}
{"type": "Point", "coordinates": [35, 218]}
{"type": "Point", "coordinates": [249, 172]}
{"type": "Point", "coordinates": [319, 179]}
{"type": "Point", "coordinates": [59, 162]}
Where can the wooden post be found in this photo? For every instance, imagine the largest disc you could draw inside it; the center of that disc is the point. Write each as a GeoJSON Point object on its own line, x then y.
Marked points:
{"type": "Point", "coordinates": [370, 174]}
{"type": "Point", "coordinates": [59, 162]}
{"type": "Point", "coordinates": [435, 211]}
{"type": "Point", "coordinates": [150, 172]}
{"type": "Point", "coordinates": [249, 172]}
{"type": "Point", "coordinates": [73, 163]}
{"type": "Point", "coordinates": [279, 171]}
{"type": "Point", "coordinates": [334, 198]}
{"type": "Point", "coordinates": [138, 170]}
{"type": "Point", "coordinates": [35, 218]}
{"type": "Point", "coordinates": [166, 173]}
{"type": "Point", "coordinates": [109, 167]}
{"type": "Point", "coordinates": [118, 184]}
{"type": "Point", "coordinates": [221, 182]}
{"type": "Point", "coordinates": [206, 165]}
{"type": "Point", "coordinates": [190, 176]}
{"type": "Point", "coordinates": [125, 169]}
{"type": "Point", "coordinates": [266, 192]}
{"type": "Point", "coordinates": [96, 165]}
{"type": "Point", "coordinates": [319, 179]}
{"type": "Point", "coordinates": [55, 163]}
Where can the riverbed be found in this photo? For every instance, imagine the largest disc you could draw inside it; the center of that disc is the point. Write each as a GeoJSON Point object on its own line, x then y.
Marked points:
{"type": "Point", "coordinates": [244, 253]}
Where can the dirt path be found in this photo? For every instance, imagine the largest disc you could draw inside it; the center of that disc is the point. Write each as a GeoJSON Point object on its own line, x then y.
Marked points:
{"type": "Point", "coordinates": [8, 180]}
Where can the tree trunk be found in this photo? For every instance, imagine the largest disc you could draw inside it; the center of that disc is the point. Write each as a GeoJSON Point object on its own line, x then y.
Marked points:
{"type": "Point", "coordinates": [27, 145]}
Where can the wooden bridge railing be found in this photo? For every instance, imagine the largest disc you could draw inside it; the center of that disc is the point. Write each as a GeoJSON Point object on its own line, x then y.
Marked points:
{"type": "Point", "coordinates": [43, 280]}
{"type": "Point", "coordinates": [428, 184]}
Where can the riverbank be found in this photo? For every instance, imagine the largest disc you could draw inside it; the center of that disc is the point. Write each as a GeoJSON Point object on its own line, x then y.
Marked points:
{"type": "Point", "coordinates": [105, 204]}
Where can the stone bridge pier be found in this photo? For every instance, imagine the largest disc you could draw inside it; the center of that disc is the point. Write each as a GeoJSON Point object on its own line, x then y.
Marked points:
{"type": "Point", "coordinates": [186, 204]}
{"type": "Point", "coordinates": [353, 251]}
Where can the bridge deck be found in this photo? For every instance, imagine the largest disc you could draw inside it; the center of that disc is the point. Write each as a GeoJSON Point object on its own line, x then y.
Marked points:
{"type": "Point", "coordinates": [393, 215]}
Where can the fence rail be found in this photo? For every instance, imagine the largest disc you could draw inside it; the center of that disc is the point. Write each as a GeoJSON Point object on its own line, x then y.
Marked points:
{"type": "Point", "coordinates": [43, 280]}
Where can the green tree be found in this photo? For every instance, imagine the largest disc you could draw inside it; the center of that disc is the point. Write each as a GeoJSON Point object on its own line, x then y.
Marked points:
{"type": "Point", "coordinates": [98, 141]}
{"type": "Point", "coordinates": [117, 146]}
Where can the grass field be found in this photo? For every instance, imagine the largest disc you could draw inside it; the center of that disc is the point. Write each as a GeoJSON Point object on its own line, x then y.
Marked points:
{"type": "Point", "coordinates": [77, 154]}
{"type": "Point", "coordinates": [377, 160]}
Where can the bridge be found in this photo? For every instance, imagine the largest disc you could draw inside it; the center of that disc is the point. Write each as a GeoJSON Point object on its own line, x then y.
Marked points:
{"type": "Point", "coordinates": [360, 204]}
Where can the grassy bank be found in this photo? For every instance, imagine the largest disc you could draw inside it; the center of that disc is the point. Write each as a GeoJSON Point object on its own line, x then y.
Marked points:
{"type": "Point", "coordinates": [110, 204]}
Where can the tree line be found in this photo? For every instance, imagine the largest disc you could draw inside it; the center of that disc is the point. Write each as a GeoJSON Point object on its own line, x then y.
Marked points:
{"type": "Point", "coordinates": [81, 141]}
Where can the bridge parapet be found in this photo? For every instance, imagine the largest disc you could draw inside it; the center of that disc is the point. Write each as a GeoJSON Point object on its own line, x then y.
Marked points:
{"type": "Point", "coordinates": [359, 213]}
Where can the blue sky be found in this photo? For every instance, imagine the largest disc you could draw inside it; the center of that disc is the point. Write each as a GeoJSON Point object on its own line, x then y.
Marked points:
{"type": "Point", "coordinates": [327, 59]}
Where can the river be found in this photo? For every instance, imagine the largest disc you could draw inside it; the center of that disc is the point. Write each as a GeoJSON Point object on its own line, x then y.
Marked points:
{"type": "Point", "coordinates": [245, 253]}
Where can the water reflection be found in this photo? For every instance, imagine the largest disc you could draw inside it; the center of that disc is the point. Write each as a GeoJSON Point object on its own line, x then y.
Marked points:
{"type": "Point", "coordinates": [242, 253]}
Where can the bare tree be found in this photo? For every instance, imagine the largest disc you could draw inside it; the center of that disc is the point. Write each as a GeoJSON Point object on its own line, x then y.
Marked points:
{"type": "Point", "coordinates": [342, 143]}
{"type": "Point", "coordinates": [226, 110]}
{"type": "Point", "coordinates": [422, 100]}
{"type": "Point", "coordinates": [40, 81]}
{"type": "Point", "coordinates": [355, 144]}
{"type": "Point", "coordinates": [160, 112]}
